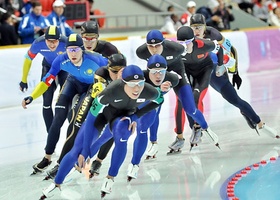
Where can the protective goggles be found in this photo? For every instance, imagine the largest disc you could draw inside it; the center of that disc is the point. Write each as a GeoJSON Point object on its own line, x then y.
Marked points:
{"type": "Point", "coordinates": [52, 41]}
{"type": "Point", "coordinates": [134, 84]}
{"type": "Point", "coordinates": [73, 50]}
{"type": "Point", "coordinates": [186, 41]}
{"type": "Point", "coordinates": [197, 27]}
{"type": "Point", "coordinates": [115, 69]}
{"type": "Point", "coordinates": [157, 71]}
{"type": "Point", "coordinates": [157, 45]}
{"type": "Point", "coordinates": [89, 39]}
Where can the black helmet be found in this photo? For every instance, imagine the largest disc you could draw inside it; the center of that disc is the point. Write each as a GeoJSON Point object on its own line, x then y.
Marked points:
{"type": "Point", "coordinates": [52, 32]}
{"type": "Point", "coordinates": [197, 19]}
{"type": "Point", "coordinates": [75, 40]}
{"type": "Point", "coordinates": [117, 59]}
{"type": "Point", "coordinates": [89, 27]}
{"type": "Point", "coordinates": [185, 33]}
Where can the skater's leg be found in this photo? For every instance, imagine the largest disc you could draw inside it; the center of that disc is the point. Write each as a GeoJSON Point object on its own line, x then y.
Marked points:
{"type": "Point", "coordinates": [121, 135]}
{"type": "Point", "coordinates": [141, 140]}
{"type": "Point", "coordinates": [103, 144]}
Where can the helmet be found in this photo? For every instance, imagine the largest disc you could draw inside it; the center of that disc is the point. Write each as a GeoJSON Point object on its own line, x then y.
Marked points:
{"type": "Point", "coordinates": [154, 37]}
{"type": "Point", "coordinates": [52, 32]}
{"type": "Point", "coordinates": [132, 72]}
{"type": "Point", "coordinates": [117, 60]}
{"type": "Point", "coordinates": [74, 40]}
{"type": "Point", "coordinates": [197, 19]}
{"type": "Point", "coordinates": [157, 61]}
{"type": "Point", "coordinates": [185, 33]}
{"type": "Point", "coordinates": [90, 27]}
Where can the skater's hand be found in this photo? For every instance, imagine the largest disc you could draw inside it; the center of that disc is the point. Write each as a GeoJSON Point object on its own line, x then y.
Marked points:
{"type": "Point", "coordinates": [26, 101]}
{"type": "Point", "coordinates": [236, 79]}
{"type": "Point", "coordinates": [220, 70]}
{"type": "Point", "coordinates": [132, 127]}
{"type": "Point", "coordinates": [132, 122]}
{"type": "Point", "coordinates": [81, 161]}
{"type": "Point", "coordinates": [165, 86]}
{"type": "Point", "coordinates": [23, 86]}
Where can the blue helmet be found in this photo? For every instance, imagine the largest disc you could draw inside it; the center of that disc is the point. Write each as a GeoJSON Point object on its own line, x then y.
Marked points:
{"type": "Point", "coordinates": [157, 61]}
{"type": "Point", "coordinates": [132, 72]}
{"type": "Point", "coordinates": [154, 37]}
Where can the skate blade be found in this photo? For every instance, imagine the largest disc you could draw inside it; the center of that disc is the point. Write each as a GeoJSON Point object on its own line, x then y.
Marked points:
{"type": "Point", "coordinates": [129, 179]}
{"type": "Point", "coordinates": [173, 152]}
{"type": "Point", "coordinates": [217, 145]}
{"type": "Point", "coordinates": [103, 194]}
{"type": "Point", "coordinates": [193, 145]}
{"type": "Point", "coordinates": [257, 131]}
{"type": "Point", "coordinates": [43, 197]}
{"type": "Point", "coordinates": [149, 158]}
{"type": "Point", "coordinates": [47, 178]}
{"type": "Point", "coordinates": [93, 174]}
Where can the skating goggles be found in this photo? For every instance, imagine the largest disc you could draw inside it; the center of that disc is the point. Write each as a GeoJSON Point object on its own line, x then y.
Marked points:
{"type": "Point", "coordinates": [197, 27]}
{"type": "Point", "coordinates": [157, 71]}
{"type": "Point", "coordinates": [157, 45]}
{"type": "Point", "coordinates": [89, 39]}
{"type": "Point", "coordinates": [186, 41]}
{"type": "Point", "coordinates": [52, 41]}
{"type": "Point", "coordinates": [115, 69]}
{"type": "Point", "coordinates": [133, 84]}
{"type": "Point", "coordinates": [73, 50]}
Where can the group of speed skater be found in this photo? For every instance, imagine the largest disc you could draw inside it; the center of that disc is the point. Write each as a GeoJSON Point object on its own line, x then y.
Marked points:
{"type": "Point", "coordinates": [115, 99]}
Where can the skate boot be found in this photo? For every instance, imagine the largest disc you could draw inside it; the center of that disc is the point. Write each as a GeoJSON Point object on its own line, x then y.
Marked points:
{"type": "Point", "coordinates": [195, 137]}
{"type": "Point", "coordinates": [151, 153]}
{"type": "Point", "coordinates": [269, 131]}
{"type": "Point", "coordinates": [50, 191]}
{"type": "Point", "coordinates": [212, 137]}
{"type": "Point", "coordinates": [132, 172]}
{"type": "Point", "coordinates": [106, 187]}
{"type": "Point", "coordinates": [251, 124]}
{"type": "Point", "coordinates": [52, 173]}
{"type": "Point", "coordinates": [94, 168]}
{"type": "Point", "coordinates": [41, 166]}
{"type": "Point", "coordinates": [176, 146]}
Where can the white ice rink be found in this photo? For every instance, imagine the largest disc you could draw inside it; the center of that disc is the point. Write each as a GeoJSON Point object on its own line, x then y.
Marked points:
{"type": "Point", "coordinates": [196, 175]}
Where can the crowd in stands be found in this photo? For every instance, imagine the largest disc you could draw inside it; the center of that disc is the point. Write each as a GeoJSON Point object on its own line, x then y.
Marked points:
{"type": "Point", "coordinates": [218, 13]}
{"type": "Point", "coordinates": [37, 15]}
{"type": "Point", "coordinates": [22, 21]}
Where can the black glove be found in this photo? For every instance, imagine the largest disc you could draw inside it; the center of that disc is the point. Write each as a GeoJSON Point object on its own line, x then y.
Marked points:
{"type": "Point", "coordinates": [236, 79]}
{"type": "Point", "coordinates": [28, 98]}
{"type": "Point", "coordinates": [23, 86]}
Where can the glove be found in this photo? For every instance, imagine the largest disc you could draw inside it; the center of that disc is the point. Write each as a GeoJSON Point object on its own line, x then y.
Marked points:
{"type": "Point", "coordinates": [220, 70]}
{"type": "Point", "coordinates": [236, 79]}
{"type": "Point", "coordinates": [23, 86]}
{"type": "Point", "coordinates": [97, 88]}
{"type": "Point", "coordinates": [28, 98]}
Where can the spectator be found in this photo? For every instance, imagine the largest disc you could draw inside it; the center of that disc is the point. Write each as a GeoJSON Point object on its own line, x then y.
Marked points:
{"type": "Point", "coordinates": [57, 18]}
{"type": "Point", "coordinates": [271, 4]}
{"type": "Point", "coordinates": [8, 35]}
{"type": "Point", "coordinates": [32, 25]}
{"type": "Point", "coordinates": [170, 9]}
{"type": "Point", "coordinates": [100, 21]}
{"type": "Point", "coordinates": [211, 18]}
{"type": "Point", "coordinates": [26, 7]}
{"type": "Point", "coordinates": [245, 5]}
{"type": "Point", "coordinates": [225, 13]}
{"type": "Point", "coordinates": [260, 10]}
{"type": "Point", "coordinates": [274, 17]}
{"type": "Point", "coordinates": [171, 25]}
{"type": "Point", "coordinates": [191, 8]}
